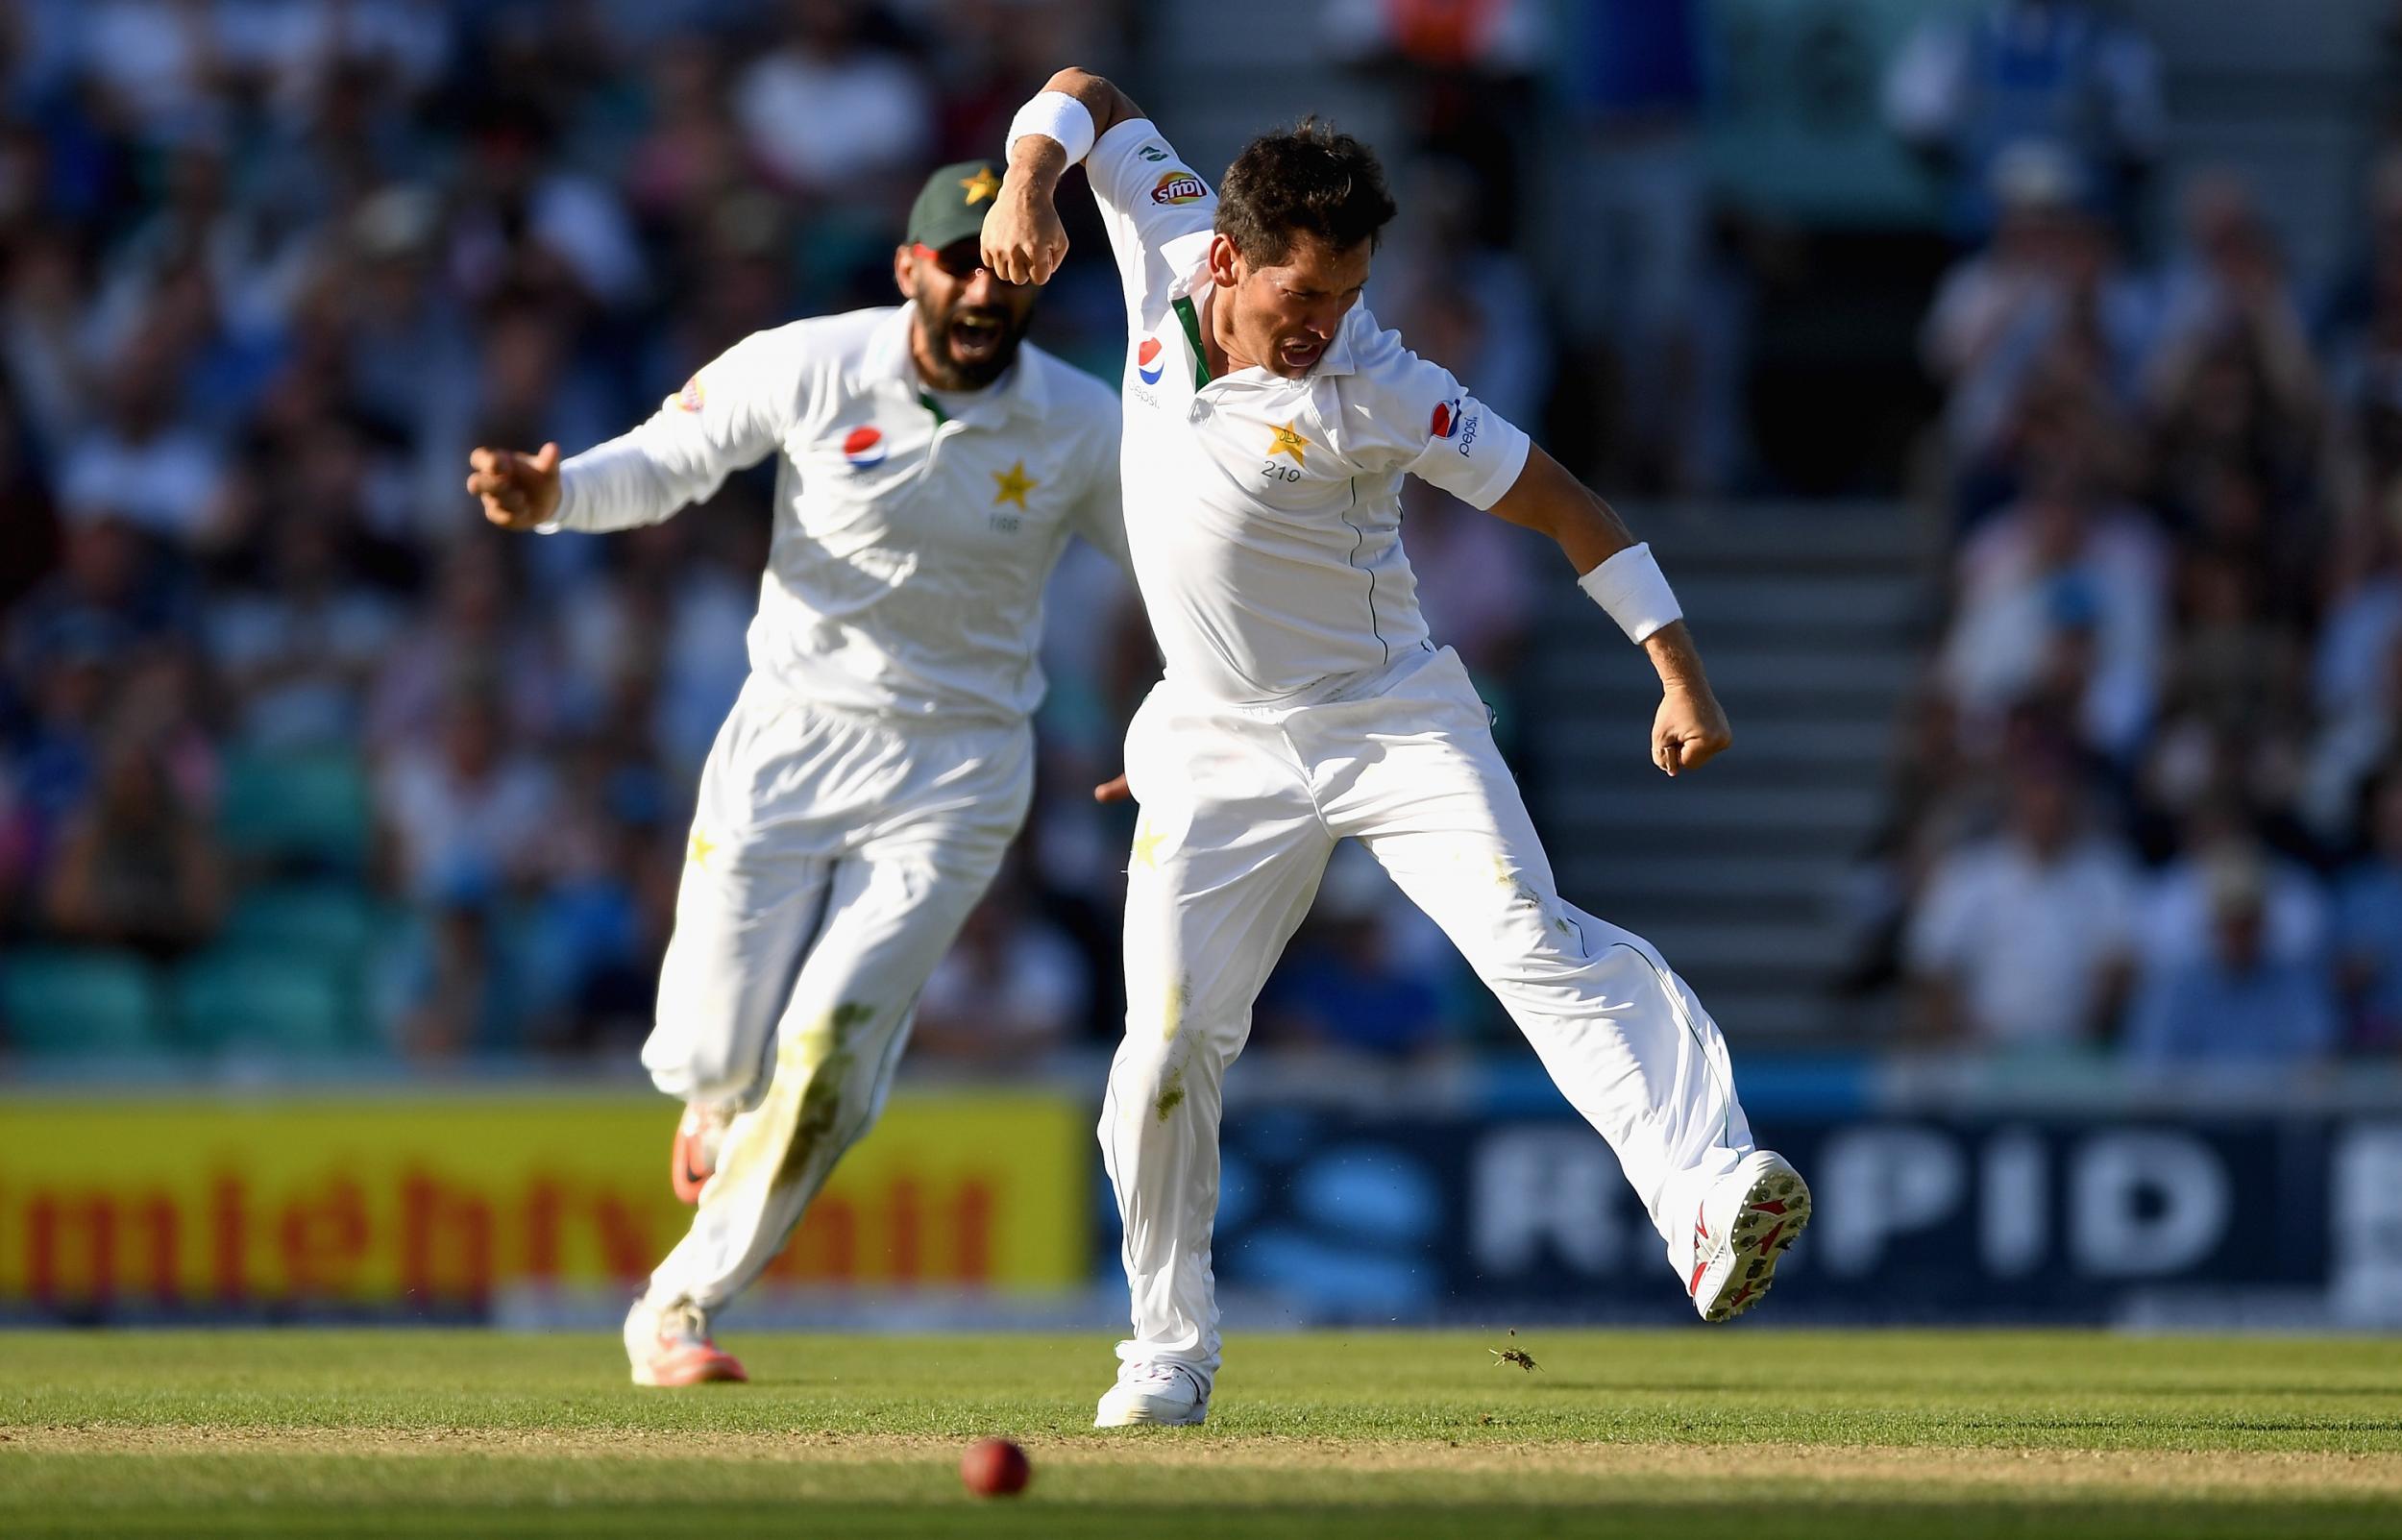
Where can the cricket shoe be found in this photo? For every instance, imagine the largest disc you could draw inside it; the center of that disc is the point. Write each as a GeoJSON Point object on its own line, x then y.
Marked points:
{"type": "Point", "coordinates": [693, 1160]}
{"type": "Point", "coordinates": [1167, 1394]}
{"type": "Point", "coordinates": [1748, 1220]}
{"type": "Point", "coordinates": [671, 1346]}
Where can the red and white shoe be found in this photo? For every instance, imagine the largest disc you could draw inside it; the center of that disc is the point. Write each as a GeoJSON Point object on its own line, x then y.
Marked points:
{"type": "Point", "coordinates": [671, 1346]}
{"type": "Point", "coordinates": [1748, 1220]}
{"type": "Point", "coordinates": [693, 1158]}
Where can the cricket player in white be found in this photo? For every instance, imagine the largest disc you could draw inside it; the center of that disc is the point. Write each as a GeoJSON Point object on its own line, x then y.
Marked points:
{"type": "Point", "coordinates": [1269, 422]}
{"type": "Point", "coordinates": [859, 798]}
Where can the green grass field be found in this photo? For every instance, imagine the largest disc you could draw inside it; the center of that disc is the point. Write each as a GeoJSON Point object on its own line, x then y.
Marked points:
{"type": "Point", "coordinates": [1739, 1432]}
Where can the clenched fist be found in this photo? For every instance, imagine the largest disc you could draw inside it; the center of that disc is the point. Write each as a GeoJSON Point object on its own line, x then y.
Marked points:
{"type": "Point", "coordinates": [1690, 729]}
{"type": "Point", "coordinates": [1023, 240]}
{"type": "Point", "coordinates": [518, 491]}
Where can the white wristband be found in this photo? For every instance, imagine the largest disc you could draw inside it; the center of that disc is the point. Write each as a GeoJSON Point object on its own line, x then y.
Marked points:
{"type": "Point", "coordinates": [1055, 116]}
{"type": "Point", "coordinates": [1631, 588]}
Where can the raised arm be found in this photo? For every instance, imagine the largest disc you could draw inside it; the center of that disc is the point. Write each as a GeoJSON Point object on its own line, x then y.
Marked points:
{"type": "Point", "coordinates": [1157, 211]}
{"type": "Point", "coordinates": [1023, 240]}
{"type": "Point", "coordinates": [1689, 729]}
{"type": "Point", "coordinates": [1109, 106]}
{"type": "Point", "coordinates": [728, 416]}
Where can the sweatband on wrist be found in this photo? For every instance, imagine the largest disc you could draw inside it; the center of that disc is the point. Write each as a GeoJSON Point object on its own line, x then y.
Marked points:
{"type": "Point", "coordinates": [1055, 116]}
{"type": "Point", "coordinates": [1631, 588]}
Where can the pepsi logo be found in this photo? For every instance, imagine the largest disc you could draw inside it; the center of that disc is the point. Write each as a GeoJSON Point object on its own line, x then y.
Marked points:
{"type": "Point", "coordinates": [864, 448]}
{"type": "Point", "coordinates": [1446, 421]}
{"type": "Point", "coordinates": [1147, 363]}
{"type": "Point", "coordinates": [1179, 187]}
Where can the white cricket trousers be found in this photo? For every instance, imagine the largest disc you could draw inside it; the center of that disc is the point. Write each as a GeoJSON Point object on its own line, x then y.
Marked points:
{"type": "Point", "coordinates": [1241, 807]}
{"type": "Point", "coordinates": [833, 858]}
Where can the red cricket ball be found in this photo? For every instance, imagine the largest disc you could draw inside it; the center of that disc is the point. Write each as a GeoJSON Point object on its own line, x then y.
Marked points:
{"type": "Point", "coordinates": [994, 1467]}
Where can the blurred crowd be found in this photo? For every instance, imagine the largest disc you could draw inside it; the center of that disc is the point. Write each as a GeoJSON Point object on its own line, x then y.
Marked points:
{"type": "Point", "coordinates": [2150, 795]}
{"type": "Point", "coordinates": [296, 756]}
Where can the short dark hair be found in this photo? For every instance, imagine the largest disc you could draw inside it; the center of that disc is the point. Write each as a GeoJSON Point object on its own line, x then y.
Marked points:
{"type": "Point", "coordinates": [1306, 179]}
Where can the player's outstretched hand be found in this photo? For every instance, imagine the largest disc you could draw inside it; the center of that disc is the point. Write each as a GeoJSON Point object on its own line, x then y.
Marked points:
{"type": "Point", "coordinates": [1023, 240]}
{"type": "Point", "coordinates": [518, 491]}
{"type": "Point", "coordinates": [1690, 729]}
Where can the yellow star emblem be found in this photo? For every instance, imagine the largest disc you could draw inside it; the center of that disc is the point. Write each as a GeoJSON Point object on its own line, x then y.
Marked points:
{"type": "Point", "coordinates": [1013, 484]}
{"type": "Point", "coordinates": [1147, 842]}
{"type": "Point", "coordinates": [980, 186]}
{"type": "Point", "coordinates": [1287, 442]}
{"type": "Point", "coordinates": [699, 851]}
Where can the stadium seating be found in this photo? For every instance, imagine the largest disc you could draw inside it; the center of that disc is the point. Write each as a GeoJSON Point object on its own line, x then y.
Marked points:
{"type": "Point", "coordinates": [71, 1002]}
{"type": "Point", "coordinates": [302, 812]}
{"type": "Point", "coordinates": [238, 999]}
{"type": "Point", "coordinates": [333, 924]}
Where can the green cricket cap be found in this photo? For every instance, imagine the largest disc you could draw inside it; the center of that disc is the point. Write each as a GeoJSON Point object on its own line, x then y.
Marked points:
{"type": "Point", "coordinates": [952, 205]}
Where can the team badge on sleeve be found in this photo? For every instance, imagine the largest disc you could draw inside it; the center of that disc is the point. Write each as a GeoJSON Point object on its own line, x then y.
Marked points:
{"type": "Point", "coordinates": [1147, 365]}
{"type": "Point", "coordinates": [1179, 187]}
{"type": "Point", "coordinates": [864, 448]}
{"type": "Point", "coordinates": [692, 397]}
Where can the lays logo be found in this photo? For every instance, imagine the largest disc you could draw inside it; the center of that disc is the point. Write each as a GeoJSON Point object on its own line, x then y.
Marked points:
{"type": "Point", "coordinates": [1179, 187]}
{"type": "Point", "coordinates": [1147, 365]}
{"type": "Point", "coordinates": [1446, 421]}
{"type": "Point", "coordinates": [864, 448]}
{"type": "Point", "coordinates": [693, 396]}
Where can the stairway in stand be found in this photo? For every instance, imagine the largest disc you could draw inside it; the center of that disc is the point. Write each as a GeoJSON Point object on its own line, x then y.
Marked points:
{"type": "Point", "coordinates": [1804, 615]}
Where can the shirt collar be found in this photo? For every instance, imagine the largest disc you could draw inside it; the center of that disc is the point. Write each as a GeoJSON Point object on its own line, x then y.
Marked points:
{"type": "Point", "coordinates": [1338, 359]}
{"type": "Point", "coordinates": [1021, 392]}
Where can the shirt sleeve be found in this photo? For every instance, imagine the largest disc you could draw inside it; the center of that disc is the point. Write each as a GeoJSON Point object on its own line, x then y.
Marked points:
{"type": "Point", "coordinates": [1099, 514]}
{"type": "Point", "coordinates": [1406, 413]}
{"type": "Point", "coordinates": [1939, 937]}
{"type": "Point", "coordinates": [1157, 210]}
{"type": "Point", "coordinates": [730, 415]}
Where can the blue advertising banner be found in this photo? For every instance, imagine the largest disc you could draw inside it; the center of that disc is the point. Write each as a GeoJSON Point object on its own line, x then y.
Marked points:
{"type": "Point", "coordinates": [2276, 1216]}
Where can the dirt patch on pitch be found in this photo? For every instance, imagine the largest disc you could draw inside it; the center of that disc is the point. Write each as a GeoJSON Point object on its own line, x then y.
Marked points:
{"type": "Point", "coordinates": [2056, 1472]}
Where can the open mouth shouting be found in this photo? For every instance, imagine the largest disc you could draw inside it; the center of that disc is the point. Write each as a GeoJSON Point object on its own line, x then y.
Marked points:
{"type": "Point", "coordinates": [1296, 355]}
{"type": "Point", "coordinates": [978, 336]}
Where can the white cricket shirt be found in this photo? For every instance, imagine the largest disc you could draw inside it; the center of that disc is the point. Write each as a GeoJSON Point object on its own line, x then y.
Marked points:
{"type": "Point", "coordinates": [1263, 513]}
{"type": "Point", "coordinates": [912, 541]}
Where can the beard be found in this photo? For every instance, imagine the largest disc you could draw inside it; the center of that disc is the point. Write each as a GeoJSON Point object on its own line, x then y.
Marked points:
{"type": "Point", "coordinates": [975, 343]}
